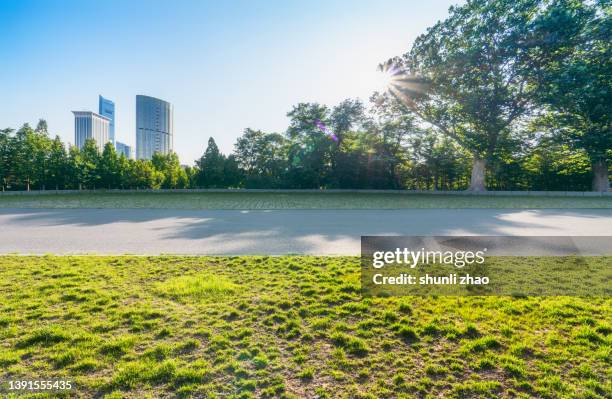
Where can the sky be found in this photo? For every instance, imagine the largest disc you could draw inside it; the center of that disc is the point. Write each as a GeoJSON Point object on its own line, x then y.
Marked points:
{"type": "Point", "coordinates": [224, 65]}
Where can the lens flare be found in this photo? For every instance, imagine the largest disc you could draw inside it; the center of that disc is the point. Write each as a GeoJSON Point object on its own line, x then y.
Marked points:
{"type": "Point", "coordinates": [389, 76]}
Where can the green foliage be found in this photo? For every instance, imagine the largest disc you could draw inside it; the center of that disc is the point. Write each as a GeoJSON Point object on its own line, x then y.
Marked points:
{"type": "Point", "coordinates": [174, 176]}
{"type": "Point", "coordinates": [464, 78]}
{"type": "Point", "coordinates": [211, 165]}
{"type": "Point", "coordinates": [571, 46]}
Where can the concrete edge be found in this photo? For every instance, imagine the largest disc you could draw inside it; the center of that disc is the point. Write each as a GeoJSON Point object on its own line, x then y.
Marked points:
{"type": "Point", "coordinates": [329, 191]}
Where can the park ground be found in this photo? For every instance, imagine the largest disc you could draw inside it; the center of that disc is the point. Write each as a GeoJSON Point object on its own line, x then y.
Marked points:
{"type": "Point", "coordinates": [294, 327]}
{"type": "Point", "coordinates": [297, 200]}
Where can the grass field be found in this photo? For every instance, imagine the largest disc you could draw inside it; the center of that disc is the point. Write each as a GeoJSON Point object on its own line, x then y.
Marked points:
{"type": "Point", "coordinates": [262, 200]}
{"type": "Point", "coordinates": [244, 327]}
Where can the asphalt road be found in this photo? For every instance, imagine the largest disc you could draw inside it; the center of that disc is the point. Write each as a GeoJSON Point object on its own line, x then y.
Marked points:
{"type": "Point", "coordinates": [227, 232]}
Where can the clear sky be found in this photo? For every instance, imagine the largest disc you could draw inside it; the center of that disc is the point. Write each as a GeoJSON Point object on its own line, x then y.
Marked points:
{"type": "Point", "coordinates": [225, 65]}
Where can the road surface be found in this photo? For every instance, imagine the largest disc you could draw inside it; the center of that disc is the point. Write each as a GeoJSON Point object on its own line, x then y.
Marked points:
{"type": "Point", "coordinates": [273, 232]}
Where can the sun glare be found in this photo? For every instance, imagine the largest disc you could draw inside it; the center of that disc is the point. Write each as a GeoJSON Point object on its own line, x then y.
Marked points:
{"type": "Point", "coordinates": [383, 81]}
{"type": "Point", "coordinates": [386, 78]}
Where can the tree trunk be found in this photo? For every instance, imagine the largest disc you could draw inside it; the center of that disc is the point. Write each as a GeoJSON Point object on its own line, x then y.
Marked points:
{"type": "Point", "coordinates": [601, 178]}
{"type": "Point", "coordinates": [477, 181]}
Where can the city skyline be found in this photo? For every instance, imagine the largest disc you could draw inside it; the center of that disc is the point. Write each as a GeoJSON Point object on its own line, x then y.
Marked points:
{"type": "Point", "coordinates": [225, 67]}
{"type": "Point", "coordinates": [154, 127]}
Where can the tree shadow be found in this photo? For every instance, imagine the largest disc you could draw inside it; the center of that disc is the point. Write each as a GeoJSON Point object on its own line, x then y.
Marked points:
{"type": "Point", "coordinates": [272, 232]}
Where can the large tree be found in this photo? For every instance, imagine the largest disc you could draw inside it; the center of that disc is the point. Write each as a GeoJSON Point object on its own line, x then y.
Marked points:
{"type": "Point", "coordinates": [571, 45]}
{"type": "Point", "coordinates": [463, 77]}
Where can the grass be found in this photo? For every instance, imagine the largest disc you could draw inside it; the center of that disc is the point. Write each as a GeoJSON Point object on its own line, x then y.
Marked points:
{"type": "Point", "coordinates": [285, 327]}
{"type": "Point", "coordinates": [198, 287]}
{"type": "Point", "coordinates": [251, 200]}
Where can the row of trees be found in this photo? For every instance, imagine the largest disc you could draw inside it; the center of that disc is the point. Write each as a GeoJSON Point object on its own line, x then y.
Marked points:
{"type": "Point", "coordinates": [503, 94]}
{"type": "Point", "coordinates": [29, 158]}
{"type": "Point", "coordinates": [386, 152]}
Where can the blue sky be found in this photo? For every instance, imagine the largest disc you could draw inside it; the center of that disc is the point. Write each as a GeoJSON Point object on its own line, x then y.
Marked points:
{"type": "Point", "coordinates": [225, 65]}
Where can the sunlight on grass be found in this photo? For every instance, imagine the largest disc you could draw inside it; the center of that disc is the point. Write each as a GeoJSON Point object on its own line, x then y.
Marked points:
{"type": "Point", "coordinates": [199, 287]}
{"type": "Point", "coordinates": [180, 327]}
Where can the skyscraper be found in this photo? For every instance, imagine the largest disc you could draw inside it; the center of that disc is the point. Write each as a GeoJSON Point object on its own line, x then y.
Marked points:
{"type": "Point", "coordinates": [124, 149]}
{"type": "Point", "coordinates": [154, 126]}
{"type": "Point", "coordinates": [107, 108]}
{"type": "Point", "coordinates": [89, 125]}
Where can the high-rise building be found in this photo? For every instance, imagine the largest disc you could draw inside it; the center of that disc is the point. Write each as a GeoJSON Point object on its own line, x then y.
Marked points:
{"type": "Point", "coordinates": [107, 108]}
{"type": "Point", "coordinates": [89, 125]}
{"type": "Point", "coordinates": [124, 149]}
{"type": "Point", "coordinates": [154, 126]}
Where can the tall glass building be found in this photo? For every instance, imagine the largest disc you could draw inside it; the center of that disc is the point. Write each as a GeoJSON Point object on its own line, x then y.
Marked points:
{"type": "Point", "coordinates": [124, 149]}
{"type": "Point", "coordinates": [107, 108]}
{"type": "Point", "coordinates": [89, 125]}
{"type": "Point", "coordinates": [154, 127]}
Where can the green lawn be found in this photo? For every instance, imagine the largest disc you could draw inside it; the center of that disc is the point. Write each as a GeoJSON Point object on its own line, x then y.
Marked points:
{"type": "Point", "coordinates": [251, 200]}
{"type": "Point", "coordinates": [243, 327]}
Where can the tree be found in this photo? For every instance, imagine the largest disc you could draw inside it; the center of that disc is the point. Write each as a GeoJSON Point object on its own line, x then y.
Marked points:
{"type": "Point", "coordinates": [261, 158]}
{"type": "Point", "coordinates": [310, 144]}
{"type": "Point", "coordinates": [571, 43]}
{"type": "Point", "coordinates": [344, 117]}
{"type": "Point", "coordinates": [144, 175]}
{"type": "Point", "coordinates": [74, 168]}
{"type": "Point", "coordinates": [191, 176]}
{"type": "Point", "coordinates": [232, 177]}
{"type": "Point", "coordinates": [88, 171]}
{"type": "Point", "coordinates": [125, 169]}
{"type": "Point", "coordinates": [108, 167]}
{"type": "Point", "coordinates": [463, 77]}
{"type": "Point", "coordinates": [57, 164]}
{"type": "Point", "coordinates": [170, 167]}
{"type": "Point", "coordinates": [211, 166]}
{"type": "Point", "coordinates": [29, 157]}
{"type": "Point", "coordinates": [41, 127]}
{"type": "Point", "coordinates": [393, 128]}
{"type": "Point", "coordinates": [6, 155]}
